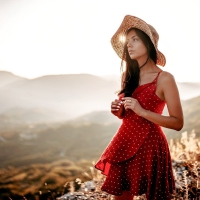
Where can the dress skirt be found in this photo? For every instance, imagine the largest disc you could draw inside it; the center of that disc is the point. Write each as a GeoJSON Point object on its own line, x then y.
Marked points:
{"type": "Point", "coordinates": [148, 172]}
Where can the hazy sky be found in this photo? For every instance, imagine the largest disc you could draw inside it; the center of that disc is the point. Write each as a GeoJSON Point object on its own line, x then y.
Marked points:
{"type": "Point", "coordinates": [39, 37]}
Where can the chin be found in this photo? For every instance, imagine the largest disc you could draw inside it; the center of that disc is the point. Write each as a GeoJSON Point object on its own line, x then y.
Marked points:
{"type": "Point", "coordinates": [133, 58]}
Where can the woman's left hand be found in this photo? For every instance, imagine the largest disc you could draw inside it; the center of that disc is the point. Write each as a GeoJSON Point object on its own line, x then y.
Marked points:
{"type": "Point", "coordinates": [133, 104]}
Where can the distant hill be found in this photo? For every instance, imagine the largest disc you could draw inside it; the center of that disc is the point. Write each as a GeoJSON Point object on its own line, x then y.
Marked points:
{"type": "Point", "coordinates": [83, 138]}
{"type": "Point", "coordinates": [191, 111]}
{"type": "Point", "coordinates": [99, 117]}
{"type": "Point", "coordinates": [43, 144]}
{"type": "Point", "coordinates": [33, 115]}
{"type": "Point", "coordinates": [63, 97]}
{"type": "Point", "coordinates": [8, 77]}
{"type": "Point", "coordinates": [188, 90]}
{"type": "Point", "coordinates": [72, 94]}
{"type": "Point", "coordinates": [192, 114]}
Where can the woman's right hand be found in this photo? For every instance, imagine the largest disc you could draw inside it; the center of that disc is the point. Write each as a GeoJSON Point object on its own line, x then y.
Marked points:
{"type": "Point", "coordinates": [117, 108]}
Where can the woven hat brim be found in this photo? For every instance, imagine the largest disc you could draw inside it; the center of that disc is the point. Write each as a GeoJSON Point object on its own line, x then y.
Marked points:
{"type": "Point", "coordinates": [128, 22]}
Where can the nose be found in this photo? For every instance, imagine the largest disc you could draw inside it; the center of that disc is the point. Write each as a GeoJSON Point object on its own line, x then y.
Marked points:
{"type": "Point", "coordinates": [129, 44]}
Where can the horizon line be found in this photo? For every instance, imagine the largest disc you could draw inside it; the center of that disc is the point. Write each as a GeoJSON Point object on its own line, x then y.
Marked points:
{"type": "Point", "coordinates": [60, 74]}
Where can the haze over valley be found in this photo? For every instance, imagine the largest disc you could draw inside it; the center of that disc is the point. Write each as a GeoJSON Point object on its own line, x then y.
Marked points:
{"type": "Point", "coordinates": [63, 97]}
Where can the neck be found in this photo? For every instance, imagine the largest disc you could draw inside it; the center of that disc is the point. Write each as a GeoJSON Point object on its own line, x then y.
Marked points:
{"type": "Point", "coordinates": [144, 63]}
{"type": "Point", "coordinates": [148, 67]}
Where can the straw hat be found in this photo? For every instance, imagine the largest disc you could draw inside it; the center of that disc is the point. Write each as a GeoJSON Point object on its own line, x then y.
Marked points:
{"type": "Point", "coordinates": [118, 39]}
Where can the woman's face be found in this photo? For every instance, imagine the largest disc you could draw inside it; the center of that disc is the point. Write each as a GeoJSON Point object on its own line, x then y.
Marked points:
{"type": "Point", "coordinates": [136, 48]}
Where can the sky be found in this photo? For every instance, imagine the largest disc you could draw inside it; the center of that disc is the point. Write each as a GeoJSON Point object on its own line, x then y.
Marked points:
{"type": "Point", "coordinates": [45, 37]}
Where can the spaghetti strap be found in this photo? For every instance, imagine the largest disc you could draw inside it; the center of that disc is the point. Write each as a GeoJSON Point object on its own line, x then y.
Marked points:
{"type": "Point", "coordinates": [155, 80]}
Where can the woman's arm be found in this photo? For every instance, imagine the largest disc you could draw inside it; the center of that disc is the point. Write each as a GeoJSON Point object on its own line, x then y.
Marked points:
{"type": "Point", "coordinates": [167, 88]}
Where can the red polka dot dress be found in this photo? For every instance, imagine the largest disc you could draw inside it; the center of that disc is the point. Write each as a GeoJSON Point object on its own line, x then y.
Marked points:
{"type": "Point", "coordinates": [138, 159]}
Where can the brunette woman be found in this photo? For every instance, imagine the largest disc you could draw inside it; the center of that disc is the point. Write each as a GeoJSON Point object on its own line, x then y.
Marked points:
{"type": "Point", "coordinates": [137, 160]}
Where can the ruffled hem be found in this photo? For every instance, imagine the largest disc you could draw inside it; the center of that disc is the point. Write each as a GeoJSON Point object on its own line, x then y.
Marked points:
{"type": "Point", "coordinates": [103, 167]}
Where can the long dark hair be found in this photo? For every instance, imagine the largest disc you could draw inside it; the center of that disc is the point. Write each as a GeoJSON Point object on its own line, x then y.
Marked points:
{"type": "Point", "coordinates": [131, 76]}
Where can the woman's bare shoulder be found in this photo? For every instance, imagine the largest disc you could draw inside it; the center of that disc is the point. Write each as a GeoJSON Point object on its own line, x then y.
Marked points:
{"type": "Point", "coordinates": [166, 77]}
{"type": "Point", "coordinates": [166, 82]}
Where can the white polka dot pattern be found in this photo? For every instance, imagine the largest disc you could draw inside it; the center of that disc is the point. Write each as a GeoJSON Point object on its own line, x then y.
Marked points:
{"type": "Point", "coordinates": [138, 159]}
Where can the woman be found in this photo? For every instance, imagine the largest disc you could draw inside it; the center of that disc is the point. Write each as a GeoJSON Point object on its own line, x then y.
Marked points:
{"type": "Point", "coordinates": [137, 160]}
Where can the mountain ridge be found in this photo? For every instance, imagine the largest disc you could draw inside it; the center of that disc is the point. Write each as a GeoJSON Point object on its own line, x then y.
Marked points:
{"type": "Point", "coordinates": [71, 94]}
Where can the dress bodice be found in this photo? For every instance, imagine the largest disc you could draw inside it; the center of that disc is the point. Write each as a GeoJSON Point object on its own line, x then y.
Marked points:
{"type": "Point", "coordinates": [134, 129]}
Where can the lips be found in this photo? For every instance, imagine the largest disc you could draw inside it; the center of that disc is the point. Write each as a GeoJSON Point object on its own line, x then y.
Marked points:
{"type": "Point", "coordinates": [131, 51]}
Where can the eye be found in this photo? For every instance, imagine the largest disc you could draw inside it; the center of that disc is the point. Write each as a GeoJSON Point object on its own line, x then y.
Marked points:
{"type": "Point", "coordinates": [135, 39]}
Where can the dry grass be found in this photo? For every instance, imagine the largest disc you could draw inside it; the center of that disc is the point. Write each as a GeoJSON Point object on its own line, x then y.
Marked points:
{"type": "Point", "coordinates": [186, 165]}
{"type": "Point", "coordinates": [185, 154]}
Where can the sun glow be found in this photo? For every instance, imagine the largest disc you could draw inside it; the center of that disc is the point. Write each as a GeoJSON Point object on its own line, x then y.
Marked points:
{"type": "Point", "coordinates": [122, 38]}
